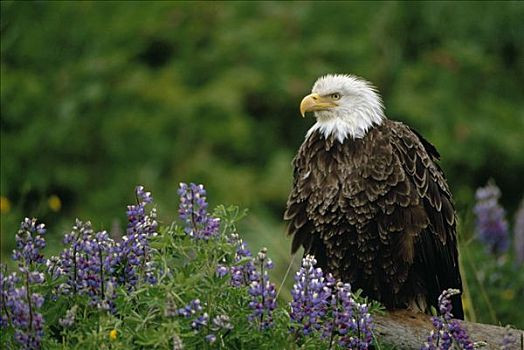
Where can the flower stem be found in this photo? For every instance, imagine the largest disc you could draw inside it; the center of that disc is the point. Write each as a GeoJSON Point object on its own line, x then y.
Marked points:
{"type": "Point", "coordinates": [101, 271]}
{"type": "Point", "coordinates": [28, 294]}
{"type": "Point", "coordinates": [74, 268]}
{"type": "Point", "coordinates": [193, 216]}
{"type": "Point", "coordinates": [262, 281]}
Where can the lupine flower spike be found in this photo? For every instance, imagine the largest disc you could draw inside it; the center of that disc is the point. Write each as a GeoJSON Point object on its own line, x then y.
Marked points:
{"type": "Point", "coordinates": [311, 296]}
{"type": "Point", "coordinates": [29, 243]}
{"type": "Point", "coordinates": [491, 224]}
{"type": "Point", "coordinates": [242, 274]}
{"type": "Point", "coordinates": [132, 254]}
{"type": "Point", "coordinates": [448, 331]}
{"type": "Point", "coordinates": [199, 223]}
{"type": "Point", "coordinates": [20, 305]}
{"type": "Point", "coordinates": [263, 293]}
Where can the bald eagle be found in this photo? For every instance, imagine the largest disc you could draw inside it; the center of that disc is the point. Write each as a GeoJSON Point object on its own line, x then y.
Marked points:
{"type": "Point", "coordinates": [370, 202]}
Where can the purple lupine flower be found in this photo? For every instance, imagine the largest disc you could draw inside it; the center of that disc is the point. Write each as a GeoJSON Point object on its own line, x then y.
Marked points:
{"type": "Point", "coordinates": [491, 224]}
{"type": "Point", "coordinates": [211, 338]}
{"type": "Point", "coordinates": [243, 271]}
{"type": "Point", "coordinates": [29, 243]}
{"type": "Point", "coordinates": [221, 271]}
{"type": "Point", "coordinates": [133, 253]}
{"type": "Point", "coordinates": [444, 303]}
{"type": "Point", "coordinates": [140, 222]}
{"type": "Point", "coordinates": [365, 327]}
{"type": "Point", "coordinates": [190, 309]}
{"type": "Point", "coordinates": [85, 263]}
{"type": "Point", "coordinates": [320, 304]}
{"type": "Point", "coordinates": [356, 337]}
{"type": "Point", "coordinates": [54, 267]}
{"type": "Point", "coordinates": [434, 335]}
{"type": "Point", "coordinates": [7, 288]}
{"type": "Point", "coordinates": [193, 310]}
{"type": "Point", "coordinates": [21, 311]}
{"type": "Point", "coordinates": [193, 212]}
{"type": "Point", "coordinates": [311, 296]}
{"type": "Point", "coordinates": [220, 323]}
{"type": "Point", "coordinates": [200, 321]}
{"type": "Point", "coordinates": [263, 293]}
{"type": "Point", "coordinates": [344, 323]}
{"type": "Point", "coordinates": [447, 330]}
{"type": "Point", "coordinates": [341, 305]}
{"type": "Point", "coordinates": [20, 304]}
{"type": "Point", "coordinates": [460, 335]}
{"type": "Point", "coordinates": [518, 234]}
{"type": "Point", "coordinates": [76, 240]}
{"type": "Point", "coordinates": [351, 321]}
{"type": "Point", "coordinates": [28, 322]}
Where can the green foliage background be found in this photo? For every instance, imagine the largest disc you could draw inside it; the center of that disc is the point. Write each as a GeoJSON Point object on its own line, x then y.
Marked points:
{"type": "Point", "coordinates": [98, 97]}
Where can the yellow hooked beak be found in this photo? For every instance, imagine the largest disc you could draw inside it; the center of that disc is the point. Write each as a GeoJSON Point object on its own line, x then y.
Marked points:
{"type": "Point", "coordinates": [315, 102]}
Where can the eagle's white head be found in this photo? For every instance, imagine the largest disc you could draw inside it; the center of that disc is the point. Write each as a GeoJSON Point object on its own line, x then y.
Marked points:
{"type": "Point", "coordinates": [345, 106]}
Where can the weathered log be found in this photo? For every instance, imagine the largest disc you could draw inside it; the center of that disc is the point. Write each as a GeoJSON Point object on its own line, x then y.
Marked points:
{"type": "Point", "coordinates": [409, 330]}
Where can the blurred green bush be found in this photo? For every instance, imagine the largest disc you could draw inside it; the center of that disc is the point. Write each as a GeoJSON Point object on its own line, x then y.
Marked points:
{"type": "Point", "coordinates": [97, 97]}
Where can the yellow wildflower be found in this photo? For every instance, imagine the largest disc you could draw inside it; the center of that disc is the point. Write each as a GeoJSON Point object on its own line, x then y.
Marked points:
{"type": "Point", "coordinates": [5, 205]}
{"type": "Point", "coordinates": [54, 203]}
{"type": "Point", "coordinates": [507, 294]}
{"type": "Point", "coordinates": [113, 334]}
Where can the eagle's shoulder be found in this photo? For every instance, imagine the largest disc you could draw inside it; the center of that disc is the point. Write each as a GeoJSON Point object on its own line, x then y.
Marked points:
{"type": "Point", "coordinates": [419, 159]}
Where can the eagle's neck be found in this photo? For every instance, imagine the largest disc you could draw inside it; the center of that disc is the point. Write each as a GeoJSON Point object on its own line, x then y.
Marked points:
{"type": "Point", "coordinates": [344, 123]}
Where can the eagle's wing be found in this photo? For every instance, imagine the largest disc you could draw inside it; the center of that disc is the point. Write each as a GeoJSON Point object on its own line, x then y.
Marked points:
{"type": "Point", "coordinates": [436, 255]}
{"type": "Point", "coordinates": [300, 227]}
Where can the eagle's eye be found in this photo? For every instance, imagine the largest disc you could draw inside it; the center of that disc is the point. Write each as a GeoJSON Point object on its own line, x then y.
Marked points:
{"type": "Point", "coordinates": [335, 96]}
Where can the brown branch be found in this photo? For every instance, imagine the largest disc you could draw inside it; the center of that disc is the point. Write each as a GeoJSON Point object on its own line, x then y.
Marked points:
{"type": "Point", "coordinates": [408, 330]}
